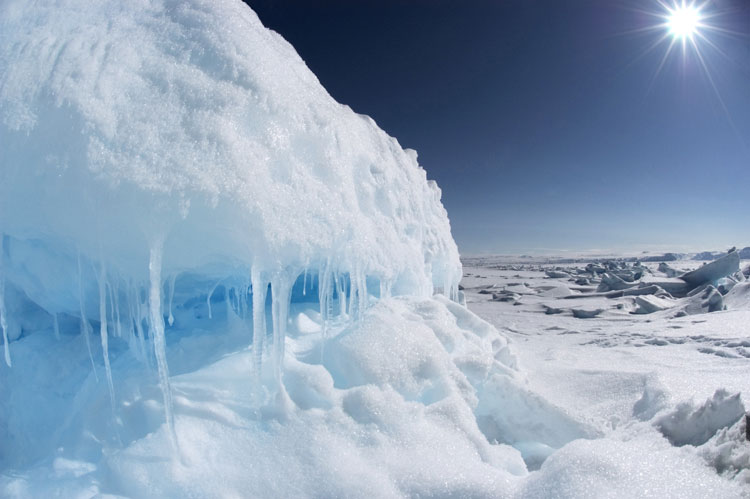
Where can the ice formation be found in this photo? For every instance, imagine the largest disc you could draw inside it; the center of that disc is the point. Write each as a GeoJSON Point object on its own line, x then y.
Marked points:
{"type": "Point", "coordinates": [156, 139]}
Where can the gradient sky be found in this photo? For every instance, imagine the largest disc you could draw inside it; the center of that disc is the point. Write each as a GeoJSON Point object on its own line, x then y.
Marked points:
{"type": "Point", "coordinates": [545, 122]}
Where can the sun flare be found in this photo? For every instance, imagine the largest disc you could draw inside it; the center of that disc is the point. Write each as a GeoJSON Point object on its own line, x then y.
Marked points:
{"type": "Point", "coordinates": [683, 21]}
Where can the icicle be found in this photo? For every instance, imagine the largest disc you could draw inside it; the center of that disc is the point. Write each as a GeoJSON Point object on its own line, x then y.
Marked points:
{"type": "Point", "coordinates": [357, 294]}
{"type": "Point", "coordinates": [157, 325]}
{"type": "Point", "coordinates": [85, 326]}
{"type": "Point", "coordinates": [103, 333]}
{"type": "Point", "coordinates": [210, 294]}
{"type": "Point", "coordinates": [3, 312]}
{"type": "Point", "coordinates": [304, 283]}
{"type": "Point", "coordinates": [56, 325]}
{"type": "Point", "coordinates": [108, 291]}
{"type": "Point", "coordinates": [281, 287]}
{"type": "Point", "coordinates": [260, 288]}
{"type": "Point", "coordinates": [138, 321]}
{"type": "Point", "coordinates": [130, 325]}
{"type": "Point", "coordinates": [171, 297]}
{"type": "Point", "coordinates": [118, 323]}
{"type": "Point", "coordinates": [352, 293]}
{"type": "Point", "coordinates": [242, 300]}
{"type": "Point", "coordinates": [361, 293]}
{"type": "Point", "coordinates": [341, 292]}
{"type": "Point", "coordinates": [325, 290]}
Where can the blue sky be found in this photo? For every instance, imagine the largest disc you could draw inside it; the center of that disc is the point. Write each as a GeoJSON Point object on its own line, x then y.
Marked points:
{"type": "Point", "coordinates": [545, 122]}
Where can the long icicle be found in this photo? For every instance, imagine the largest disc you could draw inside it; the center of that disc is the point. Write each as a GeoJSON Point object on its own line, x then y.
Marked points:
{"type": "Point", "coordinates": [115, 295]}
{"type": "Point", "coordinates": [157, 327]}
{"type": "Point", "coordinates": [3, 319]}
{"type": "Point", "coordinates": [103, 334]}
{"type": "Point", "coordinates": [138, 321]}
{"type": "Point", "coordinates": [85, 326]}
{"type": "Point", "coordinates": [210, 294]}
{"type": "Point", "coordinates": [260, 288]}
{"type": "Point", "coordinates": [281, 289]}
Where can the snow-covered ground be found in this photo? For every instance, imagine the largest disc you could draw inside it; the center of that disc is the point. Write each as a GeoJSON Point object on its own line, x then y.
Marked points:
{"type": "Point", "coordinates": [642, 380]}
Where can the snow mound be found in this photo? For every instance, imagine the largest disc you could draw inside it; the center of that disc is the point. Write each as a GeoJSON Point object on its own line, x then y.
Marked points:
{"type": "Point", "coordinates": [625, 468]}
{"type": "Point", "coordinates": [156, 148]}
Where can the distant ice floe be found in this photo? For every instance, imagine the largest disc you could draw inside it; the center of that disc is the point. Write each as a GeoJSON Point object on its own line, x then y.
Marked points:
{"type": "Point", "coordinates": [633, 287]}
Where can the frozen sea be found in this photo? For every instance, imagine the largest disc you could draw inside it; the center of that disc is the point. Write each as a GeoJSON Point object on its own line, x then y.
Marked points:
{"type": "Point", "coordinates": [626, 374]}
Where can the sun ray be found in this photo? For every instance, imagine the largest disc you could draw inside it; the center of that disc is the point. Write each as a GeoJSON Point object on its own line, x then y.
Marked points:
{"type": "Point", "coordinates": [661, 66]}
{"type": "Point", "coordinates": [713, 83]}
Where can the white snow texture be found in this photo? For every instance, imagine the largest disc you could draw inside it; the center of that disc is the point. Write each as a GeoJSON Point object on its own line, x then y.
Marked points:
{"type": "Point", "coordinates": [216, 281]}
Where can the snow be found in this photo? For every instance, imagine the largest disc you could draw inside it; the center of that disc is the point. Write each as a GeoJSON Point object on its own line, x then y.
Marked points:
{"type": "Point", "coordinates": [274, 287]}
{"type": "Point", "coordinates": [664, 393]}
{"type": "Point", "coordinates": [172, 139]}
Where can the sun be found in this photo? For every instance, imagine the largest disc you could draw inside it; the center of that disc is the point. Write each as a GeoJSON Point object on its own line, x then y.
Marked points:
{"type": "Point", "coordinates": [683, 21]}
{"type": "Point", "coordinates": [697, 30]}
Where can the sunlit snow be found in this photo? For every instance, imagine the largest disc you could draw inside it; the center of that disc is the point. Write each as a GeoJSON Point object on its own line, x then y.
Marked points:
{"type": "Point", "coordinates": [216, 281]}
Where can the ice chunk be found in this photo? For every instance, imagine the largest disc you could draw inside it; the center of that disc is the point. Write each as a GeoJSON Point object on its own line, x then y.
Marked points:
{"type": "Point", "coordinates": [580, 313]}
{"type": "Point", "coordinates": [702, 300]}
{"type": "Point", "coordinates": [668, 271]}
{"type": "Point", "coordinates": [728, 451]}
{"type": "Point", "coordinates": [738, 297]}
{"type": "Point", "coordinates": [649, 304]}
{"type": "Point", "coordinates": [691, 425]}
{"type": "Point", "coordinates": [712, 272]}
{"type": "Point", "coordinates": [612, 282]}
{"type": "Point", "coordinates": [674, 286]}
{"type": "Point", "coordinates": [556, 274]}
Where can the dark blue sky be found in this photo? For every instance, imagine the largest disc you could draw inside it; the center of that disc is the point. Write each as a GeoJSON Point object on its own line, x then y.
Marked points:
{"type": "Point", "coordinates": [544, 121]}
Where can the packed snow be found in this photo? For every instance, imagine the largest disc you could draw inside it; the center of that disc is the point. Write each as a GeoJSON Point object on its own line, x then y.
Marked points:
{"type": "Point", "coordinates": [216, 281]}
